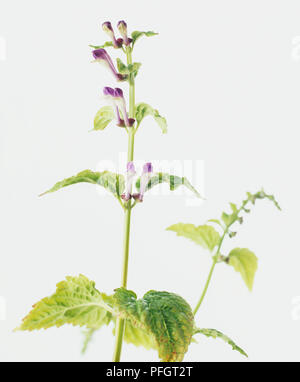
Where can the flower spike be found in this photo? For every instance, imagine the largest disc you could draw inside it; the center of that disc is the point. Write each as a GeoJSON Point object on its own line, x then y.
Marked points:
{"type": "Point", "coordinates": [101, 56]}
{"type": "Point", "coordinates": [122, 26]}
{"type": "Point", "coordinates": [109, 30]}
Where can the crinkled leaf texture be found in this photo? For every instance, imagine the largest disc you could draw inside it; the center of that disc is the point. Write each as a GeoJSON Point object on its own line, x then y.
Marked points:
{"type": "Point", "coordinates": [204, 235]}
{"type": "Point", "coordinates": [245, 262]}
{"type": "Point", "coordinates": [137, 34]}
{"type": "Point", "coordinates": [160, 320]}
{"type": "Point", "coordinates": [103, 118]}
{"type": "Point", "coordinates": [76, 301]}
{"type": "Point", "coordinates": [167, 317]}
{"type": "Point", "coordinates": [115, 183]}
{"type": "Point", "coordinates": [143, 110]}
{"type": "Point", "coordinates": [216, 334]}
{"type": "Point", "coordinates": [138, 337]}
{"type": "Point", "coordinates": [173, 181]}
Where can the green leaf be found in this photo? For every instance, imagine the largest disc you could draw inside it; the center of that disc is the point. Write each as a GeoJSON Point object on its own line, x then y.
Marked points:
{"type": "Point", "coordinates": [115, 183]}
{"type": "Point", "coordinates": [216, 334]}
{"type": "Point", "coordinates": [105, 45]}
{"type": "Point", "coordinates": [76, 301]}
{"type": "Point", "coordinates": [134, 68]}
{"type": "Point", "coordinates": [103, 118]}
{"type": "Point", "coordinates": [244, 262]}
{"type": "Point", "coordinates": [88, 336]}
{"type": "Point", "coordinates": [122, 68]}
{"type": "Point", "coordinates": [262, 195]}
{"type": "Point", "coordinates": [166, 317]}
{"type": "Point", "coordinates": [138, 337]}
{"type": "Point", "coordinates": [173, 181]}
{"type": "Point", "coordinates": [229, 219]}
{"type": "Point", "coordinates": [216, 221]}
{"type": "Point", "coordinates": [204, 235]}
{"type": "Point", "coordinates": [137, 34]}
{"type": "Point", "coordinates": [233, 207]}
{"type": "Point", "coordinates": [143, 110]}
{"type": "Point", "coordinates": [130, 69]}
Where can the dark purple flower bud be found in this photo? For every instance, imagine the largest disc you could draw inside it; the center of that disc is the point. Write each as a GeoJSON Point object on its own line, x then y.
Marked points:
{"type": "Point", "coordinates": [122, 26]}
{"type": "Point", "coordinates": [109, 30]}
{"type": "Point", "coordinates": [118, 93]}
{"type": "Point", "coordinates": [148, 168]}
{"type": "Point", "coordinates": [107, 27]}
{"type": "Point", "coordinates": [101, 56]}
{"type": "Point", "coordinates": [108, 91]}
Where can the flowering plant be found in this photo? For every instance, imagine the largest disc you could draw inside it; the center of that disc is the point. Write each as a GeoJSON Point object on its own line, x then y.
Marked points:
{"type": "Point", "coordinates": [160, 320]}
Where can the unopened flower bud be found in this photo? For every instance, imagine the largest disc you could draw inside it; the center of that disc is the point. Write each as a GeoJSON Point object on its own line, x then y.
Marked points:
{"type": "Point", "coordinates": [109, 30]}
{"type": "Point", "coordinates": [122, 26]}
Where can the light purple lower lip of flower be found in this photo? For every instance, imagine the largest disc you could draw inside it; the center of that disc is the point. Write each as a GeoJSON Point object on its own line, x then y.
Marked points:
{"type": "Point", "coordinates": [102, 55]}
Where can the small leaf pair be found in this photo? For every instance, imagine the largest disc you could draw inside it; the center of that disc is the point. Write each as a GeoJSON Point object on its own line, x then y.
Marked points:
{"type": "Point", "coordinates": [241, 259]}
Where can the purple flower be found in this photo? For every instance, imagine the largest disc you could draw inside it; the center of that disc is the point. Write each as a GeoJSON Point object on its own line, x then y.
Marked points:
{"type": "Point", "coordinates": [109, 30]}
{"type": "Point", "coordinates": [145, 177]}
{"type": "Point", "coordinates": [109, 94]}
{"type": "Point", "coordinates": [101, 56]}
{"type": "Point", "coordinates": [144, 181]}
{"type": "Point", "coordinates": [122, 26]}
{"type": "Point", "coordinates": [129, 181]}
{"type": "Point", "coordinates": [116, 97]}
{"type": "Point", "coordinates": [121, 104]}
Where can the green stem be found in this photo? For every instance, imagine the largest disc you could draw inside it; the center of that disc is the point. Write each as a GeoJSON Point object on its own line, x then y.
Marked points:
{"type": "Point", "coordinates": [120, 324]}
{"type": "Point", "coordinates": [216, 258]}
{"type": "Point", "coordinates": [205, 287]}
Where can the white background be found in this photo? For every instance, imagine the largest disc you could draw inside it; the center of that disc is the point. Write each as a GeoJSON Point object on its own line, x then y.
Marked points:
{"type": "Point", "coordinates": [226, 75]}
